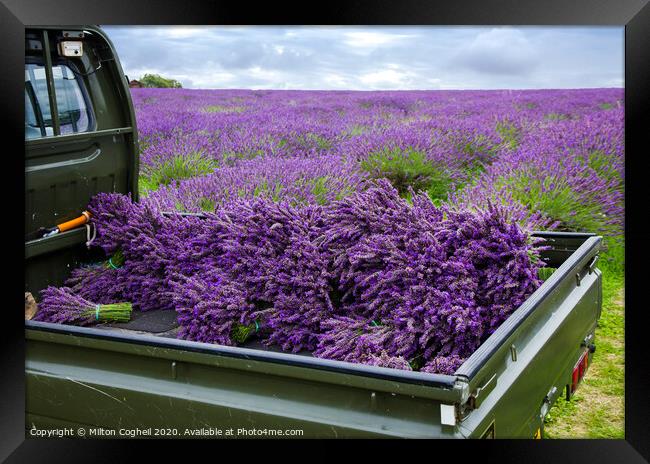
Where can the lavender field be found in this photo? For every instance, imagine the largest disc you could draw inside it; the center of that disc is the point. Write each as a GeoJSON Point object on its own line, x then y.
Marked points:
{"type": "Point", "coordinates": [555, 158]}
{"type": "Point", "coordinates": [387, 228]}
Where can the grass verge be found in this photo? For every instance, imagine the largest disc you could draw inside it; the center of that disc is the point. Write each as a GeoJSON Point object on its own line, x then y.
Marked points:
{"type": "Point", "coordinates": [597, 409]}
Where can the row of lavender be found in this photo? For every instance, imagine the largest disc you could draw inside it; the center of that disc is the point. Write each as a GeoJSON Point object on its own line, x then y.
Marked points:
{"type": "Point", "coordinates": [554, 157]}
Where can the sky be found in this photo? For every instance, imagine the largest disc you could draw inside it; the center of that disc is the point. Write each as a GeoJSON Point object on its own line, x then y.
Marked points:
{"type": "Point", "coordinates": [374, 58]}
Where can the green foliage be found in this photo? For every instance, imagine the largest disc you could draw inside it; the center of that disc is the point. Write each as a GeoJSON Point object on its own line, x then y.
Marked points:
{"type": "Point", "coordinates": [206, 204]}
{"type": "Point", "coordinates": [157, 81]}
{"type": "Point", "coordinates": [602, 163]}
{"type": "Point", "coordinates": [358, 129]}
{"type": "Point", "coordinates": [545, 272]}
{"type": "Point", "coordinates": [408, 168]}
{"type": "Point", "coordinates": [417, 362]}
{"type": "Point", "coordinates": [319, 189]}
{"type": "Point", "coordinates": [228, 158]}
{"type": "Point", "coordinates": [240, 333]}
{"type": "Point", "coordinates": [475, 147]}
{"type": "Point", "coordinates": [344, 192]}
{"type": "Point", "coordinates": [612, 259]}
{"type": "Point", "coordinates": [556, 200]}
{"type": "Point", "coordinates": [481, 154]}
{"type": "Point", "coordinates": [224, 109]}
{"type": "Point", "coordinates": [605, 106]}
{"type": "Point", "coordinates": [556, 117]}
{"type": "Point", "coordinates": [178, 206]}
{"type": "Point", "coordinates": [509, 133]}
{"type": "Point", "coordinates": [310, 139]}
{"type": "Point", "coordinates": [175, 169]}
{"type": "Point", "coordinates": [116, 261]}
{"type": "Point", "coordinates": [265, 189]}
{"type": "Point", "coordinates": [282, 143]}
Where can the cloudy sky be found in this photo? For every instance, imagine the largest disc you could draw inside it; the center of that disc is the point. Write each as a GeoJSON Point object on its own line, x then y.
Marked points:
{"type": "Point", "coordinates": [374, 58]}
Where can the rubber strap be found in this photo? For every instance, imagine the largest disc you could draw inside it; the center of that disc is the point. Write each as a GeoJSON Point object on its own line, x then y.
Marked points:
{"type": "Point", "coordinates": [110, 262]}
{"type": "Point", "coordinates": [90, 237]}
{"type": "Point", "coordinates": [257, 326]}
{"type": "Point", "coordinates": [97, 312]}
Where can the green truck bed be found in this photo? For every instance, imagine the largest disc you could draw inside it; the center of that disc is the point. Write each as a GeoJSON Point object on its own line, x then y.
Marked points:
{"type": "Point", "coordinates": [138, 380]}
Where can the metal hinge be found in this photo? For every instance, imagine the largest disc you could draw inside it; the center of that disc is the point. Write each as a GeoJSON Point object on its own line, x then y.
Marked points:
{"type": "Point", "coordinates": [73, 34]}
{"type": "Point", "coordinates": [546, 403]}
{"type": "Point", "coordinates": [481, 392]}
{"type": "Point", "coordinates": [588, 269]}
{"type": "Point", "coordinates": [471, 401]}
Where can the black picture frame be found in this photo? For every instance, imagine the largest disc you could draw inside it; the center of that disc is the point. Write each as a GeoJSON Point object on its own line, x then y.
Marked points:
{"type": "Point", "coordinates": [633, 14]}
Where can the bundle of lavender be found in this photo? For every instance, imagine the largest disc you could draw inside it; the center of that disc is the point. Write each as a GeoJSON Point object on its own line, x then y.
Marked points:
{"type": "Point", "coordinates": [63, 306]}
{"type": "Point", "coordinates": [102, 282]}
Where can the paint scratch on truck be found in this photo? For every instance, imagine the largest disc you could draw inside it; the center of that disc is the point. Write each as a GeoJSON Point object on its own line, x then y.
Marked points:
{"type": "Point", "coordinates": [100, 391]}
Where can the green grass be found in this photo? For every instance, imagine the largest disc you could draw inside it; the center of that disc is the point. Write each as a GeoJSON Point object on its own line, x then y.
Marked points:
{"type": "Point", "coordinates": [319, 189]}
{"type": "Point", "coordinates": [555, 199]}
{"type": "Point", "coordinates": [224, 109]}
{"type": "Point", "coordinates": [602, 164]}
{"type": "Point", "coordinates": [358, 129]}
{"type": "Point", "coordinates": [229, 157]}
{"type": "Point", "coordinates": [545, 272]}
{"type": "Point", "coordinates": [267, 190]}
{"type": "Point", "coordinates": [310, 139]}
{"type": "Point", "coordinates": [597, 408]}
{"type": "Point", "coordinates": [175, 169]}
{"type": "Point", "coordinates": [556, 117]}
{"type": "Point", "coordinates": [509, 133]}
{"type": "Point", "coordinates": [406, 168]}
{"type": "Point", "coordinates": [207, 205]}
{"type": "Point", "coordinates": [240, 333]}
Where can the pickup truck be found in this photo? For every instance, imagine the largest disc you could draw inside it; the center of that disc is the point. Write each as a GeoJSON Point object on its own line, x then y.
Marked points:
{"type": "Point", "coordinates": [81, 139]}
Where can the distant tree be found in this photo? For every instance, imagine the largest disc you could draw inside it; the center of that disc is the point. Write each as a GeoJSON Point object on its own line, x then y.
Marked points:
{"type": "Point", "coordinates": [154, 80]}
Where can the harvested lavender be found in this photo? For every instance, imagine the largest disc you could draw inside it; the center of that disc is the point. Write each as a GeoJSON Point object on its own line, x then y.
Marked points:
{"type": "Point", "coordinates": [435, 281]}
{"type": "Point", "coordinates": [63, 306]}
{"type": "Point", "coordinates": [101, 283]}
{"type": "Point", "coordinates": [371, 278]}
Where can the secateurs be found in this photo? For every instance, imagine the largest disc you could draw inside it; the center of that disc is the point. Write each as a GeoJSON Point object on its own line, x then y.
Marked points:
{"type": "Point", "coordinates": [68, 225]}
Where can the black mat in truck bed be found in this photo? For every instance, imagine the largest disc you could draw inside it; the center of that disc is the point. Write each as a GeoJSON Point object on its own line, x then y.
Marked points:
{"type": "Point", "coordinates": [163, 323]}
{"type": "Point", "coordinates": [156, 321]}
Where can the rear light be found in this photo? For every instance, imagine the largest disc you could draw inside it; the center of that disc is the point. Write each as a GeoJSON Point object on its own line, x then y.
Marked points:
{"type": "Point", "coordinates": [579, 370]}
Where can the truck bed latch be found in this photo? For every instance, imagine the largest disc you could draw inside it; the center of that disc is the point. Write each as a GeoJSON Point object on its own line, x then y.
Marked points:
{"type": "Point", "coordinates": [482, 392]}
{"type": "Point", "coordinates": [588, 269]}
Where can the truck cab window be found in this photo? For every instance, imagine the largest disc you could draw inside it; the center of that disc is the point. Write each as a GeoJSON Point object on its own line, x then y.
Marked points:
{"type": "Point", "coordinates": [74, 112]}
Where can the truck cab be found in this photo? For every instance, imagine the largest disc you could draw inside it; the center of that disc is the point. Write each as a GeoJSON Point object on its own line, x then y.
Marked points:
{"type": "Point", "coordinates": [80, 139]}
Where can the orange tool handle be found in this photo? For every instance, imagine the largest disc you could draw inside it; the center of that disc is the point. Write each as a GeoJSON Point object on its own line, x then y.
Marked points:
{"type": "Point", "coordinates": [74, 223]}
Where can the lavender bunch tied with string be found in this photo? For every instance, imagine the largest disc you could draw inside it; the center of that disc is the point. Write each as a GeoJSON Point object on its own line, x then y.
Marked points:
{"type": "Point", "coordinates": [63, 306]}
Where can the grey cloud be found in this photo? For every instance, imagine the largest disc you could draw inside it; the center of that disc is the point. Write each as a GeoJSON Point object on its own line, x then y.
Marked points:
{"type": "Point", "coordinates": [502, 51]}
{"type": "Point", "coordinates": [379, 57]}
